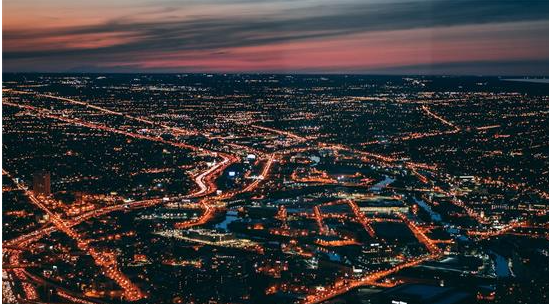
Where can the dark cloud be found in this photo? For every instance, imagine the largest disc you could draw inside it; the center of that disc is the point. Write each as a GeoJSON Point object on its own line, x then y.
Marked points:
{"type": "Point", "coordinates": [315, 22]}
{"type": "Point", "coordinates": [473, 68]}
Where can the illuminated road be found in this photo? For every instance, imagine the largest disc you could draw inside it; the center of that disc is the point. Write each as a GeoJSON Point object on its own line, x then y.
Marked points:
{"type": "Point", "coordinates": [501, 231]}
{"type": "Point", "coordinates": [342, 286]}
{"type": "Point", "coordinates": [210, 203]}
{"type": "Point", "coordinates": [318, 217]}
{"type": "Point", "coordinates": [262, 176]}
{"type": "Point", "coordinates": [280, 132]}
{"type": "Point", "coordinates": [108, 263]}
{"type": "Point", "coordinates": [361, 218]}
{"type": "Point", "coordinates": [209, 206]}
{"type": "Point", "coordinates": [206, 180]}
{"type": "Point", "coordinates": [102, 259]}
{"type": "Point", "coordinates": [108, 111]}
{"type": "Point", "coordinates": [207, 214]}
{"type": "Point", "coordinates": [345, 285]}
{"type": "Point", "coordinates": [26, 239]}
{"type": "Point", "coordinates": [49, 114]}
{"type": "Point", "coordinates": [324, 145]}
{"type": "Point", "coordinates": [420, 235]}
{"type": "Point", "coordinates": [440, 118]}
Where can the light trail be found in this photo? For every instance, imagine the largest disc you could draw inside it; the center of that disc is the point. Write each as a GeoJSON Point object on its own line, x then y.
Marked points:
{"type": "Point", "coordinates": [109, 111]}
{"type": "Point", "coordinates": [337, 243]}
{"type": "Point", "coordinates": [440, 118]}
{"type": "Point", "coordinates": [207, 186]}
{"type": "Point", "coordinates": [345, 285]}
{"type": "Point", "coordinates": [426, 135]}
{"type": "Point", "coordinates": [501, 231]}
{"type": "Point", "coordinates": [280, 132]}
{"type": "Point", "coordinates": [262, 176]}
{"type": "Point", "coordinates": [203, 180]}
{"type": "Point", "coordinates": [361, 218]}
{"type": "Point", "coordinates": [107, 262]}
{"type": "Point", "coordinates": [318, 217]}
{"type": "Point", "coordinates": [48, 114]}
{"type": "Point", "coordinates": [420, 235]}
{"type": "Point", "coordinates": [208, 213]}
{"type": "Point", "coordinates": [421, 177]}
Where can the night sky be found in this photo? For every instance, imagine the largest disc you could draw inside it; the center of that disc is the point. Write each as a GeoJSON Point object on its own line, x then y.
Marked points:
{"type": "Point", "coordinates": [480, 37]}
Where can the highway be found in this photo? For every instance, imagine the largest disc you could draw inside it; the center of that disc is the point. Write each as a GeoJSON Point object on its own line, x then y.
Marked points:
{"type": "Point", "coordinates": [204, 182]}
{"type": "Point", "coordinates": [361, 218]}
{"type": "Point", "coordinates": [318, 217]}
{"type": "Point", "coordinates": [107, 262]}
{"type": "Point", "coordinates": [342, 286]}
{"type": "Point", "coordinates": [108, 111]}
{"type": "Point", "coordinates": [262, 176]}
{"type": "Point", "coordinates": [211, 203]}
{"type": "Point", "coordinates": [440, 118]}
{"type": "Point", "coordinates": [345, 285]}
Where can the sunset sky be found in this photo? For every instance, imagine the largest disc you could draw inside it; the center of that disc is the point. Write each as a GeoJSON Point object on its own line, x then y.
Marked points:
{"type": "Point", "coordinates": [488, 37]}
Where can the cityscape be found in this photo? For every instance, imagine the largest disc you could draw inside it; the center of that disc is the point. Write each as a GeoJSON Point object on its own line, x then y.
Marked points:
{"type": "Point", "coordinates": [275, 152]}
{"type": "Point", "coordinates": [274, 188]}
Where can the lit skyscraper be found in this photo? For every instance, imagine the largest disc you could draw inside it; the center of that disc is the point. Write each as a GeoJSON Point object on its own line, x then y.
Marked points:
{"type": "Point", "coordinates": [41, 184]}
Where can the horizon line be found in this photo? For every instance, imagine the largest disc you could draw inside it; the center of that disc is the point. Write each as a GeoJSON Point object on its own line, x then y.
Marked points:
{"type": "Point", "coordinates": [535, 76]}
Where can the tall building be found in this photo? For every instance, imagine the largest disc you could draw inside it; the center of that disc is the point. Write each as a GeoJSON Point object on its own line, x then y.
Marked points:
{"type": "Point", "coordinates": [41, 184]}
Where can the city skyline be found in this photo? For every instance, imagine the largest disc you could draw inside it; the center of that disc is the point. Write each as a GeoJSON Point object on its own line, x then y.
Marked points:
{"type": "Point", "coordinates": [294, 189]}
{"type": "Point", "coordinates": [354, 37]}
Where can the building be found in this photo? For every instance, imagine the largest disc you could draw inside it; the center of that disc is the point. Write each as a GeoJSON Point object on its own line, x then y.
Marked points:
{"type": "Point", "coordinates": [41, 183]}
{"type": "Point", "coordinates": [383, 206]}
{"type": "Point", "coordinates": [211, 236]}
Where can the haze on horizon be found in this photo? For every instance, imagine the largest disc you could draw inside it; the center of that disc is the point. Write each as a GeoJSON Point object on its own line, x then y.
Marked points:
{"type": "Point", "coordinates": [499, 37]}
